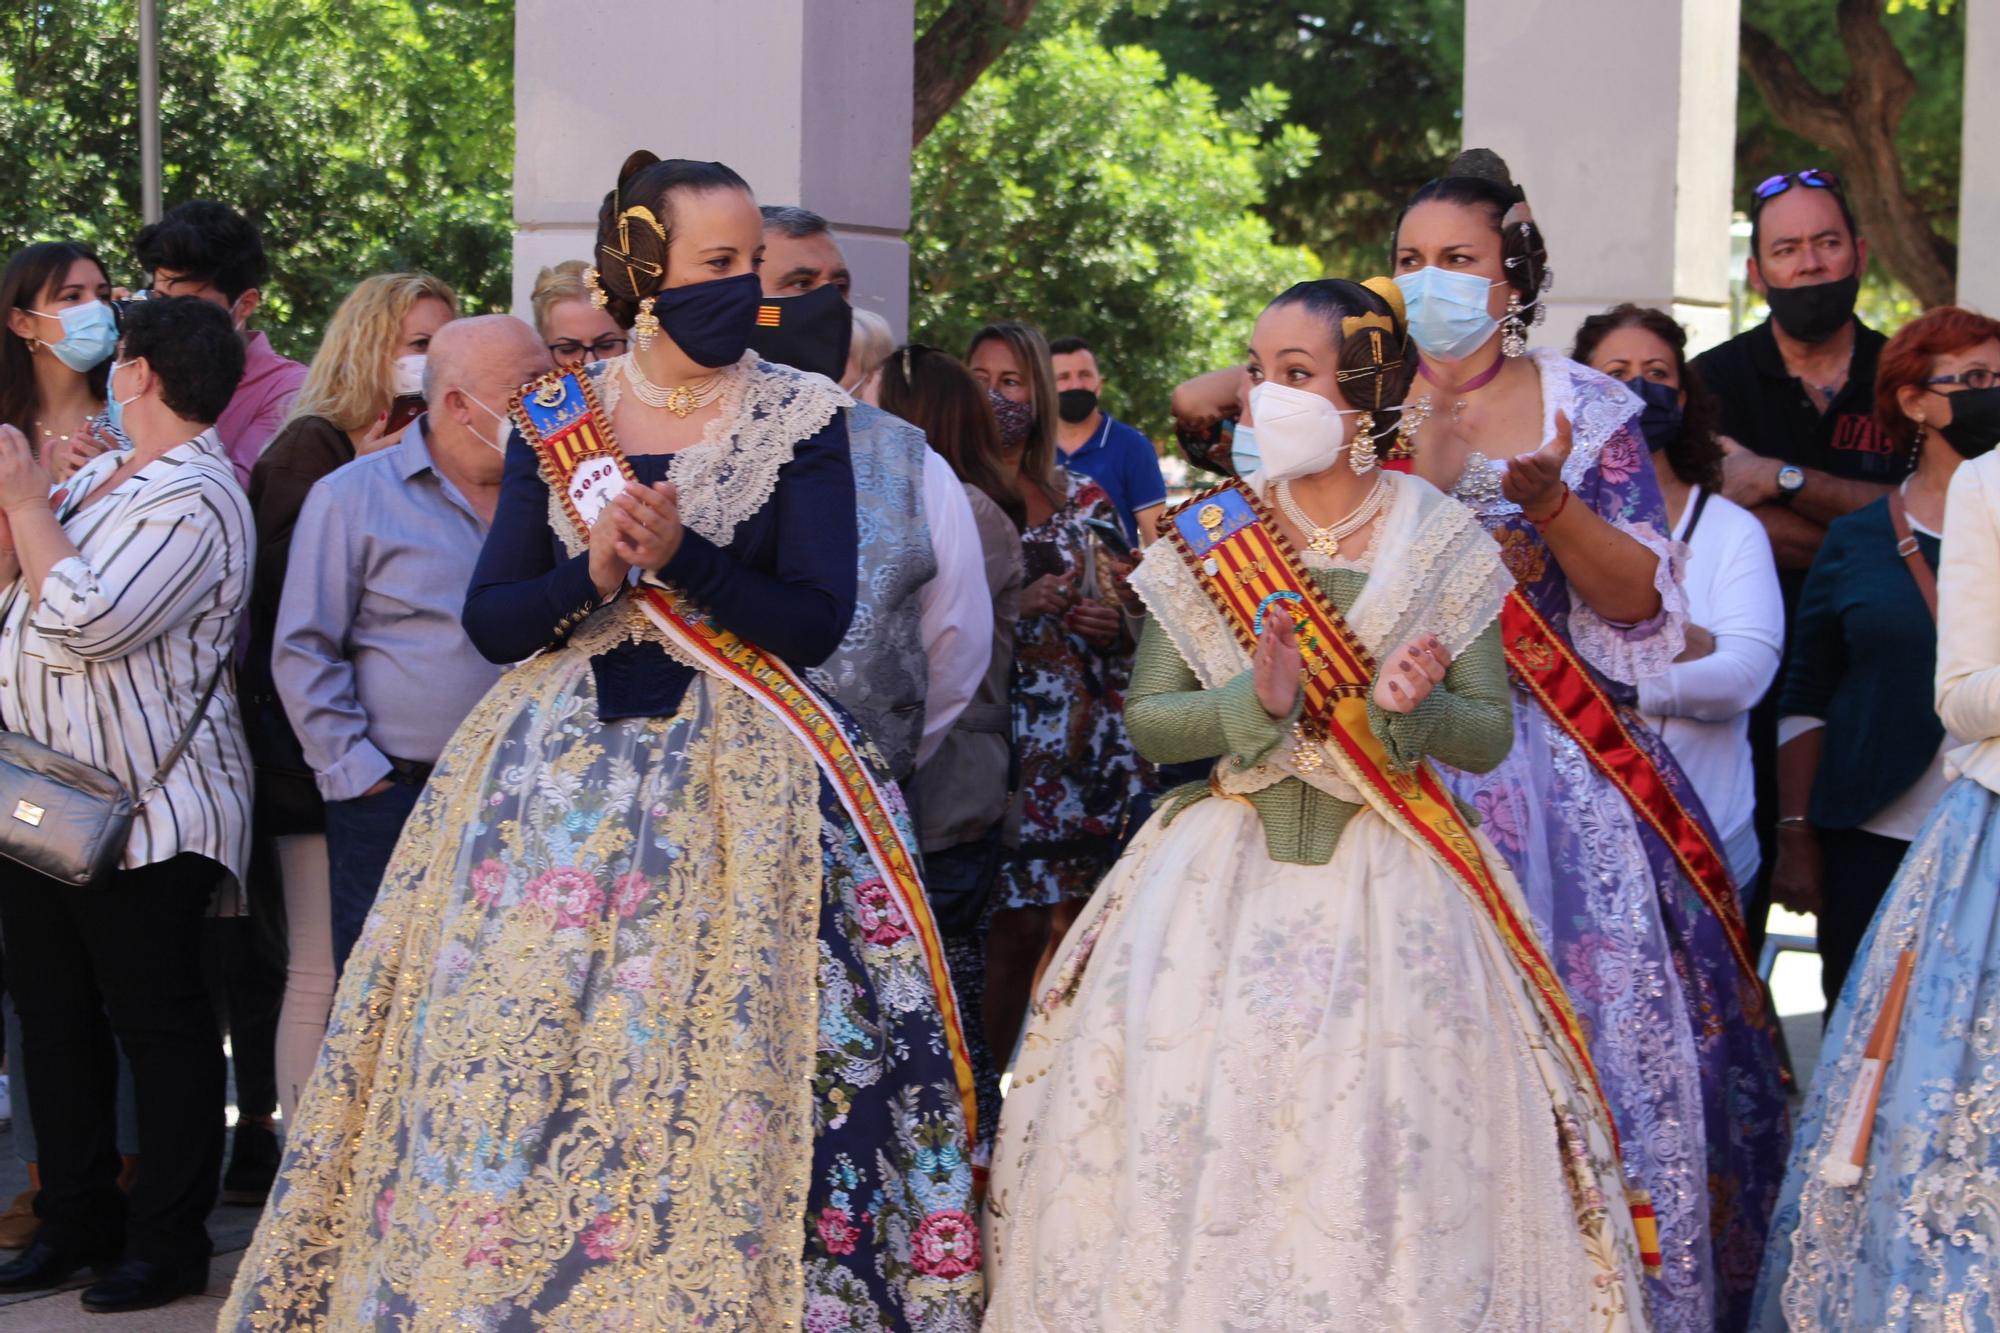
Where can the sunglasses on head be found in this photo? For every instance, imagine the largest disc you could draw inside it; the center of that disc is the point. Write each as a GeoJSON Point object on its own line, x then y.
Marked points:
{"type": "Point", "coordinates": [1812, 178]}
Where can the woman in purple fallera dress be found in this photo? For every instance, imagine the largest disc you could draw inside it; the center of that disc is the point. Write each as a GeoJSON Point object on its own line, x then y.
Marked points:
{"type": "Point", "coordinates": [1549, 455]}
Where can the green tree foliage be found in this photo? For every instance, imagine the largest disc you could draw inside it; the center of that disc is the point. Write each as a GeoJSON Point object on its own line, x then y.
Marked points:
{"type": "Point", "coordinates": [360, 135]}
{"type": "Point", "coordinates": [1379, 83]}
{"type": "Point", "coordinates": [1085, 189]}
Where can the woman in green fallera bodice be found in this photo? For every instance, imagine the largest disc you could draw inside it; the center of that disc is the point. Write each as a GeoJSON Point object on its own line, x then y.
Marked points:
{"type": "Point", "coordinates": [1289, 1067]}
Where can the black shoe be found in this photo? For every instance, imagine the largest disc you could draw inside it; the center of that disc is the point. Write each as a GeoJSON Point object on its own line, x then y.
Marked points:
{"type": "Point", "coordinates": [253, 1164]}
{"type": "Point", "coordinates": [43, 1265]}
{"type": "Point", "coordinates": [138, 1284]}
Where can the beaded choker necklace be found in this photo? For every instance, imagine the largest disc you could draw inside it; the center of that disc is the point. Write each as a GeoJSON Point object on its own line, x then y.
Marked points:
{"type": "Point", "coordinates": [1479, 381]}
{"type": "Point", "coordinates": [682, 400]}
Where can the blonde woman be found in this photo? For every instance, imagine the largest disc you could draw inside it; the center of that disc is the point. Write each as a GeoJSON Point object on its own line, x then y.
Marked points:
{"type": "Point", "coordinates": [872, 342]}
{"type": "Point", "coordinates": [576, 330]}
{"type": "Point", "coordinates": [373, 353]}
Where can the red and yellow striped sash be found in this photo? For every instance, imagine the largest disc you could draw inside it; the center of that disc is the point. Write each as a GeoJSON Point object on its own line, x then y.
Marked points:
{"type": "Point", "coordinates": [1546, 663]}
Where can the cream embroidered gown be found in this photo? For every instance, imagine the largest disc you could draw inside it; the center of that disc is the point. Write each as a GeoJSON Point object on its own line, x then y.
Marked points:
{"type": "Point", "coordinates": [1285, 1074]}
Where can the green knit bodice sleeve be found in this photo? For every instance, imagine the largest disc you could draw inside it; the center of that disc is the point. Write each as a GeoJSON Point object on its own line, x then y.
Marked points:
{"type": "Point", "coordinates": [1466, 722]}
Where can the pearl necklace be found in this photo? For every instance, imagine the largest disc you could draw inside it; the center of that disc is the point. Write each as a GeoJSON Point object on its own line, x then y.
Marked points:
{"type": "Point", "coordinates": [682, 400]}
{"type": "Point", "coordinates": [1326, 540]}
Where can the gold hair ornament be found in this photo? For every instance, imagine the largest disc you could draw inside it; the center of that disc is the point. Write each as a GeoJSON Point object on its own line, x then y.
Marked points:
{"type": "Point", "coordinates": [622, 252]}
{"type": "Point", "coordinates": [598, 296]}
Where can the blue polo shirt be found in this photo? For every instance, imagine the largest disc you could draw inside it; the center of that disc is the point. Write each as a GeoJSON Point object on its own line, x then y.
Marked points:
{"type": "Point", "coordinates": [1122, 461]}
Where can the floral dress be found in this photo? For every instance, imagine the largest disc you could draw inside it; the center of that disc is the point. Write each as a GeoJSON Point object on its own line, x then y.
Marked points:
{"type": "Point", "coordinates": [1680, 1031]}
{"type": "Point", "coordinates": [1078, 772]}
{"type": "Point", "coordinates": [636, 1036]}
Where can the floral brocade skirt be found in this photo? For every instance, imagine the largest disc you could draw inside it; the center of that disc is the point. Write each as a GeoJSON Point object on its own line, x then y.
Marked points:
{"type": "Point", "coordinates": [1914, 1243]}
{"type": "Point", "coordinates": [1257, 1095]}
{"type": "Point", "coordinates": [1685, 1050]}
{"type": "Point", "coordinates": [635, 1038]}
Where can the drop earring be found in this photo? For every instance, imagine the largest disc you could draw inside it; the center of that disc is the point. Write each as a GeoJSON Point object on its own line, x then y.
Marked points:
{"type": "Point", "coordinates": [598, 296]}
{"type": "Point", "coordinates": [1361, 453]}
{"type": "Point", "coordinates": [1513, 329]}
{"type": "Point", "coordinates": [647, 326]}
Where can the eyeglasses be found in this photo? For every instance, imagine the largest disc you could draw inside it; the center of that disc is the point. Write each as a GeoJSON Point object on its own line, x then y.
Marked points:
{"type": "Point", "coordinates": [611, 344]}
{"type": "Point", "coordinates": [1979, 377]}
{"type": "Point", "coordinates": [1812, 178]}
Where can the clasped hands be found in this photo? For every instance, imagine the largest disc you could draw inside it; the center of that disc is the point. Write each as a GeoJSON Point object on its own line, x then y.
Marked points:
{"type": "Point", "coordinates": [1405, 680]}
{"type": "Point", "coordinates": [639, 528]}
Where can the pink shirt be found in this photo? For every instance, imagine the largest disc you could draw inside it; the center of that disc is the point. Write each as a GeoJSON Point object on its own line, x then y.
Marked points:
{"type": "Point", "coordinates": [262, 400]}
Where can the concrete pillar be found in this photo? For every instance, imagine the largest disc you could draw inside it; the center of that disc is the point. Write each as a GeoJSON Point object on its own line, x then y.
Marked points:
{"type": "Point", "coordinates": [1979, 179]}
{"type": "Point", "coordinates": [809, 100]}
{"type": "Point", "coordinates": [1619, 118]}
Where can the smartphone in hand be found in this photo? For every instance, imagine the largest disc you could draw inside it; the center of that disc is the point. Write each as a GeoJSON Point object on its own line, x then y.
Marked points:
{"type": "Point", "coordinates": [1113, 537]}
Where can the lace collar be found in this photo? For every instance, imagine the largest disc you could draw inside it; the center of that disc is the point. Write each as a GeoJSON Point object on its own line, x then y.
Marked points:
{"type": "Point", "coordinates": [1597, 407]}
{"type": "Point", "coordinates": [764, 411]}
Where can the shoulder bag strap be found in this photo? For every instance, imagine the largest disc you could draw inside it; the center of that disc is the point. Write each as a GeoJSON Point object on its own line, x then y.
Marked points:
{"type": "Point", "coordinates": [1906, 546]}
{"type": "Point", "coordinates": [186, 737]}
{"type": "Point", "coordinates": [1694, 519]}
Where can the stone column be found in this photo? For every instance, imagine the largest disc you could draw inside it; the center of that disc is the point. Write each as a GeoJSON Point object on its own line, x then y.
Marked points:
{"type": "Point", "coordinates": [809, 100]}
{"type": "Point", "coordinates": [1979, 179]}
{"type": "Point", "coordinates": [1619, 118]}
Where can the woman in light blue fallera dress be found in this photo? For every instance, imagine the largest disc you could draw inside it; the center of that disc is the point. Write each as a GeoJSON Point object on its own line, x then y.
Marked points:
{"type": "Point", "coordinates": [1911, 1238]}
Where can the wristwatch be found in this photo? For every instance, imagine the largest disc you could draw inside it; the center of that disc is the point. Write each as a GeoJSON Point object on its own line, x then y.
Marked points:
{"type": "Point", "coordinates": [1791, 480]}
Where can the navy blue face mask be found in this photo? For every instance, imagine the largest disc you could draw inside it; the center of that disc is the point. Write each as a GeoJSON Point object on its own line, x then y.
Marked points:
{"type": "Point", "coordinates": [1661, 419]}
{"type": "Point", "coordinates": [711, 321]}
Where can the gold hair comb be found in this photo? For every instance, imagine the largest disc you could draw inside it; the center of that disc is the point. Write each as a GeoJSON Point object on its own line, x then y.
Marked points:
{"type": "Point", "coordinates": [623, 251]}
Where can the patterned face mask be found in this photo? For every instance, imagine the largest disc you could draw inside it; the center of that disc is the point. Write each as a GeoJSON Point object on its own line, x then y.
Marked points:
{"type": "Point", "coordinates": [1016, 419]}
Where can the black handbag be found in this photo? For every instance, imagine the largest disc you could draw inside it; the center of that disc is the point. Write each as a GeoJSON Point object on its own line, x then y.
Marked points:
{"type": "Point", "coordinates": [62, 818]}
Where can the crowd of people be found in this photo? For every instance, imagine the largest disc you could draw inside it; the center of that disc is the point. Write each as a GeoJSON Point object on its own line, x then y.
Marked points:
{"type": "Point", "coordinates": [635, 785]}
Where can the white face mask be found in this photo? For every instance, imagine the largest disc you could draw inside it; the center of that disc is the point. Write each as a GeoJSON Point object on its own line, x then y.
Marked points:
{"type": "Point", "coordinates": [1298, 432]}
{"type": "Point", "coordinates": [505, 425]}
{"type": "Point", "coordinates": [409, 377]}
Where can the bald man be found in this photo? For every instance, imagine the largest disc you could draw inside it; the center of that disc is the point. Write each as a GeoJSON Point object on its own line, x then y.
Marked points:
{"type": "Point", "coordinates": [371, 664]}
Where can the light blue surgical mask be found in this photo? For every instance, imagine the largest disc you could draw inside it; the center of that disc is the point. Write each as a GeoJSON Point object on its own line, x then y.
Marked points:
{"type": "Point", "coordinates": [1243, 455]}
{"type": "Point", "coordinates": [114, 406]}
{"type": "Point", "coordinates": [90, 334]}
{"type": "Point", "coordinates": [1447, 311]}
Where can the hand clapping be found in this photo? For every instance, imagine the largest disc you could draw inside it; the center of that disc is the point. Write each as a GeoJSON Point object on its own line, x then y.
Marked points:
{"type": "Point", "coordinates": [647, 522]}
{"type": "Point", "coordinates": [1410, 674]}
{"type": "Point", "coordinates": [1535, 481]}
{"type": "Point", "coordinates": [1279, 669]}
{"type": "Point", "coordinates": [23, 480]}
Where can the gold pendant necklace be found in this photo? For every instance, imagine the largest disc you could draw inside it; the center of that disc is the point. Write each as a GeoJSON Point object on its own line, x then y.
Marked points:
{"type": "Point", "coordinates": [683, 400]}
{"type": "Point", "coordinates": [1326, 540]}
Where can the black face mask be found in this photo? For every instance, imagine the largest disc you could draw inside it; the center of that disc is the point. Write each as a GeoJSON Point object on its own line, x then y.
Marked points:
{"type": "Point", "coordinates": [710, 321]}
{"type": "Point", "coordinates": [1660, 419]}
{"type": "Point", "coordinates": [1817, 311]}
{"type": "Point", "coordinates": [1975, 421]}
{"type": "Point", "coordinates": [809, 332]}
{"type": "Point", "coordinates": [1074, 405]}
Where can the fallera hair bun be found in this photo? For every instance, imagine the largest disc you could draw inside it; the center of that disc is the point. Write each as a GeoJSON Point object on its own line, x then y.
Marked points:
{"type": "Point", "coordinates": [1482, 164]}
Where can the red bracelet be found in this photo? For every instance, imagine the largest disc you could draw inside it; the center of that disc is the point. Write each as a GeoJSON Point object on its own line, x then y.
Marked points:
{"type": "Point", "coordinates": [1543, 523]}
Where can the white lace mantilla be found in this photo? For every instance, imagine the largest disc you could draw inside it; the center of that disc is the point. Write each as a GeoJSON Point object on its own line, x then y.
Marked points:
{"type": "Point", "coordinates": [1439, 574]}
{"type": "Point", "coordinates": [727, 475]}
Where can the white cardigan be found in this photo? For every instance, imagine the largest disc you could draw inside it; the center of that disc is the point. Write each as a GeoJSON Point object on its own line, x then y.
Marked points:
{"type": "Point", "coordinates": [1968, 650]}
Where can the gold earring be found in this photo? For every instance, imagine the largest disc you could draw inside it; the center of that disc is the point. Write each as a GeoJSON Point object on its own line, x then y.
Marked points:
{"type": "Point", "coordinates": [646, 327]}
{"type": "Point", "coordinates": [1513, 330]}
{"type": "Point", "coordinates": [1361, 454]}
{"type": "Point", "coordinates": [598, 296]}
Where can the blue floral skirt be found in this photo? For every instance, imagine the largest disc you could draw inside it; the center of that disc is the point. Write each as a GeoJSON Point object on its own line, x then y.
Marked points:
{"type": "Point", "coordinates": [635, 1038]}
{"type": "Point", "coordinates": [1916, 1242]}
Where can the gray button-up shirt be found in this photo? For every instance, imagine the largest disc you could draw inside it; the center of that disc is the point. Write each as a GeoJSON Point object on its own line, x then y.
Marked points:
{"type": "Point", "coordinates": [370, 659]}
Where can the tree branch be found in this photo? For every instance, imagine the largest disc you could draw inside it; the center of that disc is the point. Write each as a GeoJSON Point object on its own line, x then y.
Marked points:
{"type": "Point", "coordinates": [956, 49]}
{"type": "Point", "coordinates": [1795, 103]}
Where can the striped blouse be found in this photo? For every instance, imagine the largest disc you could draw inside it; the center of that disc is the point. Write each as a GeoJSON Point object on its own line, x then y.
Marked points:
{"type": "Point", "coordinates": [108, 667]}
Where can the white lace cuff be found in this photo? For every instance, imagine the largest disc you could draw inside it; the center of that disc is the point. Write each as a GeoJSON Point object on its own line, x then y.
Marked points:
{"type": "Point", "coordinates": [1630, 653]}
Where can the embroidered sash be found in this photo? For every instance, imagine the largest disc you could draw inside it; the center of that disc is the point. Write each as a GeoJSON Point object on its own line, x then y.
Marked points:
{"type": "Point", "coordinates": [1250, 572]}
{"type": "Point", "coordinates": [1548, 665]}
{"type": "Point", "coordinates": [560, 417]}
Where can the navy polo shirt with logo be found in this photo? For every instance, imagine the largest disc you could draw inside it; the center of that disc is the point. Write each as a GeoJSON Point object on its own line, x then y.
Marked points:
{"type": "Point", "coordinates": [1121, 460]}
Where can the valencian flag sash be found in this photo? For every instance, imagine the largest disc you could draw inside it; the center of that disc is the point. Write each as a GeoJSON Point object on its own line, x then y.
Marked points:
{"type": "Point", "coordinates": [1546, 663]}
{"type": "Point", "coordinates": [1250, 572]}
{"type": "Point", "coordinates": [561, 419]}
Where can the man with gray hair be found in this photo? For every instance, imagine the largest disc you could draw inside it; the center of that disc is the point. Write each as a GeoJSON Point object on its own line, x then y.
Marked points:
{"type": "Point", "coordinates": [923, 625]}
{"type": "Point", "coordinates": [370, 662]}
